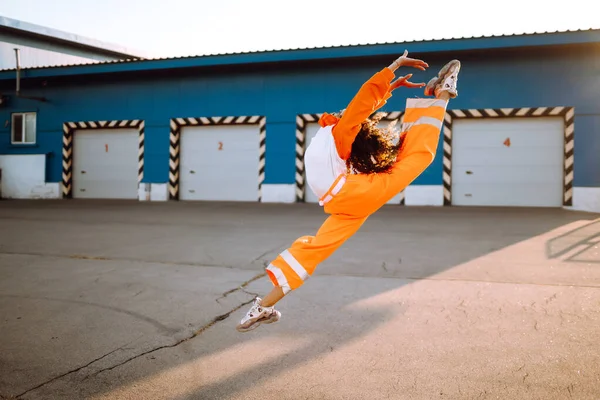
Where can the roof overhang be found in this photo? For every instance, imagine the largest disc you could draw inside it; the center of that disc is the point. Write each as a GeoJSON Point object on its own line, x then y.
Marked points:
{"type": "Point", "coordinates": [580, 37]}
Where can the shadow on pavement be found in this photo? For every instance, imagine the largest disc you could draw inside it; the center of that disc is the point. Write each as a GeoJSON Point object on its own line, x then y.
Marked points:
{"type": "Point", "coordinates": [402, 243]}
{"type": "Point", "coordinates": [585, 239]}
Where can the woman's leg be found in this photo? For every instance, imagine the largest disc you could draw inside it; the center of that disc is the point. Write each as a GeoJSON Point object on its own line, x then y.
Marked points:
{"type": "Point", "coordinates": [423, 121]}
{"type": "Point", "coordinates": [273, 297]}
{"type": "Point", "coordinates": [290, 269]}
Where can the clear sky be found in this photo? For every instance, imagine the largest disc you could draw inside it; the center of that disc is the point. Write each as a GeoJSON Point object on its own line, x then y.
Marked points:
{"type": "Point", "coordinates": [194, 27]}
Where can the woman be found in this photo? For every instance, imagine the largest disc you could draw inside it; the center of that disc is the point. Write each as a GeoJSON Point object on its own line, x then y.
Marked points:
{"type": "Point", "coordinates": [355, 168]}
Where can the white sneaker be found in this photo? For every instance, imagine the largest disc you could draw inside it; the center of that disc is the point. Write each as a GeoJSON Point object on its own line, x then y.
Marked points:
{"type": "Point", "coordinates": [446, 80]}
{"type": "Point", "coordinates": [258, 315]}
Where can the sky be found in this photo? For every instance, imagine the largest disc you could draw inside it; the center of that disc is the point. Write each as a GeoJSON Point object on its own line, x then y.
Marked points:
{"type": "Point", "coordinates": [173, 28]}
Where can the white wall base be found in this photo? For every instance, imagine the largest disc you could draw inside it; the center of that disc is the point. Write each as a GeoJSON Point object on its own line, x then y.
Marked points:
{"type": "Point", "coordinates": [49, 190]}
{"type": "Point", "coordinates": [279, 193]}
{"type": "Point", "coordinates": [424, 195]}
{"type": "Point", "coordinates": [24, 177]}
{"type": "Point", "coordinates": [152, 192]}
{"type": "Point", "coordinates": [586, 199]}
{"type": "Point", "coordinates": [159, 192]}
{"type": "Point", "coordinates": [143, 193]}
{"type": "Point", "coordinates": [417, 195]}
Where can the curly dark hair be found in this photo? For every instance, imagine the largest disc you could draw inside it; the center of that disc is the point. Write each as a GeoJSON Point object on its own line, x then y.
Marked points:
{"type": "Point", "coordinates": [375, 149]}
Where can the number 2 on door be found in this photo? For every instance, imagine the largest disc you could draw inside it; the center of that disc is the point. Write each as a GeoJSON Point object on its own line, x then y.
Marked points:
{"type": "Point", "coordinates": [220, 145]}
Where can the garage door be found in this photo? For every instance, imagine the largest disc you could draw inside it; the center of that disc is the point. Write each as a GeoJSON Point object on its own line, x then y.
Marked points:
{"type": "Point", "coordinates": [309, 196]}
{"type": "Point", "coordinates": [508, 162]}
{"type": "Point", "coordinates": [105, 163]}
{"type": "Point", "coordinates": [219, 163]}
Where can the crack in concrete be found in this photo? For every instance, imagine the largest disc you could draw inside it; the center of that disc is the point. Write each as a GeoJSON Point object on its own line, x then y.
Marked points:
{"type": "Point", "coordinates": [551, 298]}
{"type": "Point", "coordinates": [193, 335]}
{"type": "Point", "coordinates": [267, 252]}
{"type": "Point", "coordinates": [384, 267]}
{"type": "Point", "coordinates": [177, 343]}
{"type": "Point", "coordinates": [254, 295]}
{"type": "Point", "coordinates": [242, 286]}
{"type": "Point", "coordinates": [130, 259]}
{"type": "Point", "coordinates": [160, 327]}
{"type": "Point", "coordinates": [571, 389]}
{"type": "Point", "coordinates": [68, 373]}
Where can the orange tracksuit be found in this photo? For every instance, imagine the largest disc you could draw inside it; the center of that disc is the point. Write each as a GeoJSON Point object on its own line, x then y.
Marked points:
{"type": "Point", "coordinates": [354, 197]}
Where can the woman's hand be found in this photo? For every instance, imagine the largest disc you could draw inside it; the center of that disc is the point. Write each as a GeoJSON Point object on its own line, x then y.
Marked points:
{"type": "Point", "coordinates": [404, 81]}
{"type": "Point", "coordinates": [405, 61]}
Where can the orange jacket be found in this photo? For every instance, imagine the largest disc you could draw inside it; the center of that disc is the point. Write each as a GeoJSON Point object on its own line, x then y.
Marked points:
{"type": "Point", "coordinates": [372, 95]}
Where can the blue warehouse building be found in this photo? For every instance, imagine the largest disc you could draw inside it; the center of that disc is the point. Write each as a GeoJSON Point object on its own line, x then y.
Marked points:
{"type": "Point", "coordinates": [524, 131]}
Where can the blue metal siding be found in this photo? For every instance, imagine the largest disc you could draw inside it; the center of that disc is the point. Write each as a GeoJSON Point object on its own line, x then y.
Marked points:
{"type": "Point", "coordinates": [493, 80]}
{"type": "Point", "coordinates": [587, 150]}
{"type": "Point", "coordinates": [281, 149]}
{"type": "Point", "coordinates": [156, 159]}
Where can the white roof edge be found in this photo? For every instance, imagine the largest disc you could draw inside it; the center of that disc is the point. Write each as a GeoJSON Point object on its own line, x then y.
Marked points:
{"type": "Point", "coordinates": [17, 25]}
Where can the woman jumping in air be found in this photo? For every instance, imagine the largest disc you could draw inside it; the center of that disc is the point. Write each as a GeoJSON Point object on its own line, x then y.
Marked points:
{"type": "Point", "coordinates": [355, 167]}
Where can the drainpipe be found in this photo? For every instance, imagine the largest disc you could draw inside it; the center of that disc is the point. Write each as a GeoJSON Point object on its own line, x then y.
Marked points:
{"type": "Point", "coordinates": [18, 59]}
{"type": "Point", "coordinates": [18, 90]}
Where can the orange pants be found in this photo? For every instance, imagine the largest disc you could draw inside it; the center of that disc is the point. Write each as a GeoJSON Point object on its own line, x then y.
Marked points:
{"type": "Point", "coordinates": [362, 195]}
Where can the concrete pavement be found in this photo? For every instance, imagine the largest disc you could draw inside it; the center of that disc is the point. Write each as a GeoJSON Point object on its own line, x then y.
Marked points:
{"type": "Point", "coordinates": [119, 300]}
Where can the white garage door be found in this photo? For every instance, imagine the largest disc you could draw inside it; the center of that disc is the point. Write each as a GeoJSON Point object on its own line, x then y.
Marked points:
{"type": "Point", "coordinates": [309, 196]}
{"type": "Point", "coordinates": [508, 162]}
{"type": "Point", "coordinates": [219, 163]}
{"type": "Point", "coordinates": [105, 163]}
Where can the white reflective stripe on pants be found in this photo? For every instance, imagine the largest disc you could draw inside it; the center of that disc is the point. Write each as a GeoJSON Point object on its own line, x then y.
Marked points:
{"type": "Point", "coordinates": [423, 121]}
{"type": "Point", "coordinates": [281, 280]}
{"type": "Point", "coordinates": [295, 265]}
{"type": "Point", "coordinates": [426, 103]}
